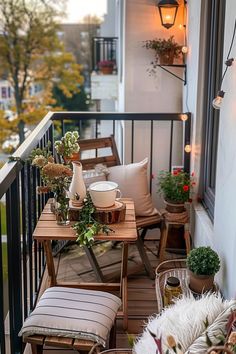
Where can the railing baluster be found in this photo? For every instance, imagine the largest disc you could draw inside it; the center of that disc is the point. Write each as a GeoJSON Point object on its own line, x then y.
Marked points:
{"type": "Point", "coordinates": [29, 232]}
{"type": "Point", "coordinates": [187, 136]}
{"type": "Point", "coordinates": [2, 326]}
{"type": "Point", "coordinates": [171, 144]}
{"type": "Point", "coordinates": [35, 244]}
{"type": "Point", "coordinates": [24, 241]}
{"type": "Point", "coordinates": [132, 141]}
{"type": "Point", "coordinates": [151, 156]}
{"type": "Point", "coordinates": [14, 264]}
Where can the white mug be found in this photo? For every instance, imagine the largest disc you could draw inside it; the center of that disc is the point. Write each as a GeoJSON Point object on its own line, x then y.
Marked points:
{"type": "Point", "coordinates": [104, 193]}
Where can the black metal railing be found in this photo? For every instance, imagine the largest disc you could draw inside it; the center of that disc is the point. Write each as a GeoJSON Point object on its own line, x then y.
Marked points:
{"type": "Point", "coordinates": [104, 49]}
{"type": "Point", "coordinates": [139, 135]}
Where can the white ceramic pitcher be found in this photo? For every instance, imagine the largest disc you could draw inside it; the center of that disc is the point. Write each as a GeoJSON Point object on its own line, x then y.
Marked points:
{"type": "Point", "coordinates": [77, 188]}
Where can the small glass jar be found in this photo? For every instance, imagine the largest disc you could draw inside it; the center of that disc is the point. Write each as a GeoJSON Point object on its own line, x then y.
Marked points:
{"type": "Point", "coordinates": [62, 208]}
{"type": "Point", "coordinates": [172, 290]}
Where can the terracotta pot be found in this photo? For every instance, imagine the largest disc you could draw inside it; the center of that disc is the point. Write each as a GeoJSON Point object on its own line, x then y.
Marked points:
{"type": "Point", "coordinates": [106, 70]}
{"type": "Point", "coordinates": [166, 58]}
{"type": "Point", "coordinates": [73, 157]}
{"type": "Point", "coordinates": [200, 283]}
{"type": "Point", "coordinates": [173, 207]}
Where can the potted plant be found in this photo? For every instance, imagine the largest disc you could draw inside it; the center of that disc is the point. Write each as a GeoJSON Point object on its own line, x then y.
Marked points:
{"type": "Point", "coordinates": [106, 66]}
{"type": "Point", "coordinates": [175, 188]}
{"type": "Point", "coordinates": [165, 49]}
{"type": "Point", "coordinates": [202, 263]}
{"type": "Point", "coordinates": [68, 146]}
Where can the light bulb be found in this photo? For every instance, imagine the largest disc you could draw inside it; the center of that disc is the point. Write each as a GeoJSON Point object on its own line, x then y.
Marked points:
{"type": "Point", "coordinates": [187, 148]}
{"type": "Point", "coordinates": [184, 117]}
{"type": "Point", "coordinates": [216, 103]}
{"type": "Point", "coordinates": [184, 49]}
{"type": "Point", "coordinates": [229, 62]}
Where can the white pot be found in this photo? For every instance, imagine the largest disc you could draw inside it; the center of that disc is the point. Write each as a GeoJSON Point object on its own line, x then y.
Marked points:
{"type": "Point", "coordinates": [104, 193]}
{"type": "Point", "coordinates": [77, 187]}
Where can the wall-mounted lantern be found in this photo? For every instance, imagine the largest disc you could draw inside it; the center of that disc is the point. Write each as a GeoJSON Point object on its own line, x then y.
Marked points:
{"type": "Point", "coordinates": [168, 10]}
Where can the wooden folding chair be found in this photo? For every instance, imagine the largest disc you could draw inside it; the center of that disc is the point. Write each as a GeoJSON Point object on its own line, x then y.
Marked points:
{"type": "Point", "coordinates": [98, 151]}
{"type": "Point", "coordinates": [104, 151]}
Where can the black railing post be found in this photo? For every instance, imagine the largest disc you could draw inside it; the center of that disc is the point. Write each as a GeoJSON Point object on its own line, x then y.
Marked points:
{"type": "Point", "coordinates": [2, 327]}
{"type": "Point", "coordinates": [14, 264]}
{"type": "Point", "coordinates": [187, 140]}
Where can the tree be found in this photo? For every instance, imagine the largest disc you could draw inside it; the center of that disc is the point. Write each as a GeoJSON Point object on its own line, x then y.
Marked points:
{"type": "Point", "coordinates": [77, 102]}
{"type": "Point", "coordinates": [31, 52]}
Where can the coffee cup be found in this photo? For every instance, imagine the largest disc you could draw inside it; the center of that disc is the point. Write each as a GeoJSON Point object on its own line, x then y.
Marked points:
{"type": "Point", "coordinates": [104, 193]}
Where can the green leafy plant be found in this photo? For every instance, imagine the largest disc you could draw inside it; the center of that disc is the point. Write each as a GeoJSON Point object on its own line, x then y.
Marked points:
{"type": "Point", "coordinates": [87, 226]}
{"type": "Point", "coordinates": [68, 144]}
{"type": "Point", "coordinates": [203, 261]}
{"type": "Point", "coordinates": [162, 46]}
{"type": "Point", "coordinates": [175, 187]}
{"type": "Point", "coordinates": [165, 51]}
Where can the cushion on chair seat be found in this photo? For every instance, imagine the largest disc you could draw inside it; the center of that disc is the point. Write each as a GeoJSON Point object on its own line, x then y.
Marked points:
{"type": "Point", "coordinates": [74, 313]}
{"type": "Point", "coordinates": [145, 221]}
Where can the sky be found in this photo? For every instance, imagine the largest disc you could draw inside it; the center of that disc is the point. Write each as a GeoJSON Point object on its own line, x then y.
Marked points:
{"type": "Point", "coordinates": [77, 9]}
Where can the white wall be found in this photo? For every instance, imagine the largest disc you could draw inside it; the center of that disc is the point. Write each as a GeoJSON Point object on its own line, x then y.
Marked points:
{"type": "Point", "coordinates": [108, 26]}
{"type": "Point", "coordinates": [222, 234]}
{"type": "Point", "coordinates": [144, 93]}
{"type": "Point", "coordinates": [225, 211]}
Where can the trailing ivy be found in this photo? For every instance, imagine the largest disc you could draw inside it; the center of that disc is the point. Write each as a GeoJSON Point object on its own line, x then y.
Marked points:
{"type": "Point", "coordinates": [87, 226]}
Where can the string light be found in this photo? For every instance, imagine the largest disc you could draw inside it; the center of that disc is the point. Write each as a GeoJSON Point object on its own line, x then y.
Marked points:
{"type": "Point", "coordinates": [184, 117]}
{"type": "Point", "coordinates": [184, 49]}
{"type": "Point", "coordinates": [187, 148]}
{"type": "Point", "coordinates": [216, 103]}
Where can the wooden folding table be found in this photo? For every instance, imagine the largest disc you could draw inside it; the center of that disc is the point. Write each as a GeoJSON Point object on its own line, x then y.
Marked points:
{"type": "Point", "coordinates": [125, 232]}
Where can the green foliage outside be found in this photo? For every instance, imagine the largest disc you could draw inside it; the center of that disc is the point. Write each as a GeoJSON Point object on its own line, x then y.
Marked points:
{"type": "Point", "coordinates": [3, 218]}
{"type": "Point", "coordinates": [77, 102]}
{"type": "Point", "coordinates": [4, 260]}
{"type": "Point", "coordinates": [31, 53]}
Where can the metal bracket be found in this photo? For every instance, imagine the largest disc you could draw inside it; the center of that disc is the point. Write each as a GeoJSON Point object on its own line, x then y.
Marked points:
{"type": "Point", "coordinates": [177, 66]}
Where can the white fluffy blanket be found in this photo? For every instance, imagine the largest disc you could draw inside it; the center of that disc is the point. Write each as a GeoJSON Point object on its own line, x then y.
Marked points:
{"type": "Point", "coordinates": [186, 322]}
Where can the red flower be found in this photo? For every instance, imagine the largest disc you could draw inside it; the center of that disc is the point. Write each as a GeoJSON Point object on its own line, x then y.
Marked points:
{"type": "Point", "coordinates": [192, 174]}
{"type": "Point", "coordinates": [185, 188]}
{"type": "Point", "coordinates": [176, 172]}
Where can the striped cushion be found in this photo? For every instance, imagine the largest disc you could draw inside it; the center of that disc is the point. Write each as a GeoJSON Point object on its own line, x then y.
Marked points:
{"type": "Point", "coordinates": [74, 313]}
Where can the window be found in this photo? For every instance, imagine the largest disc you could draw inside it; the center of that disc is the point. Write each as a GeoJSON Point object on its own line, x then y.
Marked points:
{"type": "Point", "coordinates": [213, 73]}
{"type": "Point", "coordinates": [4, 92]}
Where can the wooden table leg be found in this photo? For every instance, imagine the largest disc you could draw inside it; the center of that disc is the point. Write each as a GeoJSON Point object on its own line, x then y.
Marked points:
{"type": "Point", "coordinates": [124, 287]}
{"type": "Point", "coordinates": [187, 238]}
{"type": "Point", "coordinates": [144, 257]}
{"type": "Point", "coordinates": [163, 242]}
{"type": "Point", "coordinates": [94, 264]}
{"type": "Point", "coordinates": [50, 263]}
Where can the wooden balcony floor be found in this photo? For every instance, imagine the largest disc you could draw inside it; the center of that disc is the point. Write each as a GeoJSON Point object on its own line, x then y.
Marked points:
{"type": "Point", "coordinates": [73, 265]}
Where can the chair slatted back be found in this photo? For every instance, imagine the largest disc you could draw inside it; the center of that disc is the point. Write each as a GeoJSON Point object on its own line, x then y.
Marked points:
{"type": "Point", "coordinates": [94, 151]}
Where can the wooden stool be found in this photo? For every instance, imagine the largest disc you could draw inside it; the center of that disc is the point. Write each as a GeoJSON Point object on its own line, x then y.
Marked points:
{"type": "Point", "coordinates": [79, 319]}
{"type": "Point", "coordinates": [164, 236]}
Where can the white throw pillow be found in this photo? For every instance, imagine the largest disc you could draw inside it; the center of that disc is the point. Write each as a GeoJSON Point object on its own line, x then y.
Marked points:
{"type": "Point", "coordinates": [185, 322]}
{"type": "Point", "coordinates": [133, 183]}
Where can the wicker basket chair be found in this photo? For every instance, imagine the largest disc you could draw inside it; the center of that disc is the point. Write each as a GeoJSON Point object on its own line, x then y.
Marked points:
{"type": "Point", "coordinates": [171, 268]}
{"type": "Point", "coordinates": [117, 351]}
{"type": "Point", "coordinates": [221, 349]}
